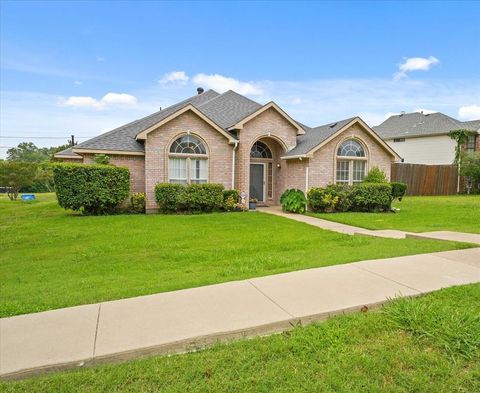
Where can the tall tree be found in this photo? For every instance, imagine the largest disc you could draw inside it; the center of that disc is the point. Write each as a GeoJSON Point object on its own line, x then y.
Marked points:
{"type": "Point", "coordinates": [16, 175]}
{"type": "Point", "coordinates": [29, 152]}
{"type": "Point", "coordinates": [460, 136]}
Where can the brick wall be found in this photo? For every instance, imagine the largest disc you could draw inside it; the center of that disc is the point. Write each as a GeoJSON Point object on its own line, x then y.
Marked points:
{"type": "Point", "coordinates": [135, 164]}
{"type": "Point", "coordinates": [159, 141]}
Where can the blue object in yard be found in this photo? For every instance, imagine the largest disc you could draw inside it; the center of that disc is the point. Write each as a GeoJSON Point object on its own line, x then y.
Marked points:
{"type": "Point", "coordinates": [28, 197]}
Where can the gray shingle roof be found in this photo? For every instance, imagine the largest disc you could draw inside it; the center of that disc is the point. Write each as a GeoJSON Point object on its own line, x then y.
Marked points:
{"type": "Point", "coordinates": [123, 138]}
{"type": "Point", "coordinates": [314, 136]}
{"type": "Point", "coordinates": [67, 152]}
{"type": "Point", "coordinates": [418, 124]}
{"type": "Point", "coordinates": [228, 108]}
{"type": "Point", "coordinates": [473, 125]}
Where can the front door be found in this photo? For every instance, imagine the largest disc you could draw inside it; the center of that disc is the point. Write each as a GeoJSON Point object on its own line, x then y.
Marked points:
{"type": "Point", "coordinates": [257, 182]}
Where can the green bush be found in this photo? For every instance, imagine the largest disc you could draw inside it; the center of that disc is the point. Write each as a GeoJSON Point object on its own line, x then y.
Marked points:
{"type": "Point", "coordinates": [16, 175]}
{"type": "Point", "coordinates": [101, 159]}
{"type": "Point", "coordinates": [371, 197]}
{"type": "Point", "coordinates": [375, 175]}
{"type": "Point", "coordinates": [91, 189]}
{"type": "Point", "coordinates": [137, 203]}
{"type": "Point", "coordinates": [398, 190]}
{"type": "Point", "coordinates": [235, 194]}
{"type": "Point", "coordinates": [193, 198]}
{"type": "Point", "coordinates": [334, 197]}
{"type": "Point", "coordinates": [293, 201]}
{"type": "Point", "coordinates": [201, 198]}
{"type": "Point", "coordinates": [167, 196]}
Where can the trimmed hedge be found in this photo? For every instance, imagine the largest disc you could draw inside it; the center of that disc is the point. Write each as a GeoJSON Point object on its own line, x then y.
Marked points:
{"type": "Point", "coordinates": [193, 198]}
{"type": "Point", "coordinates": [91, 189]}
{"type": "Point", "coordinates": [398, 190]}
{"type": "Point", "coordinates": [366, 197]}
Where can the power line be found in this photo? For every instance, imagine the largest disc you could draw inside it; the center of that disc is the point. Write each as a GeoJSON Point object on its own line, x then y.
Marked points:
{"type": "Point", "coordinates": [44, 137]}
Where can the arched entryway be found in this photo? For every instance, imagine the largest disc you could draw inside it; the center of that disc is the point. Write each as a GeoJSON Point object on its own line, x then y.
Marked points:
{"type": "Point", "coordinates": [266, 182]}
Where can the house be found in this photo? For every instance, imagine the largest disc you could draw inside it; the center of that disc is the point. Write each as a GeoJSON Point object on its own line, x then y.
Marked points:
{"type": "Point", "coordinates": [423, 138]}
{"type": "Point", "coordinates": [229, 139]}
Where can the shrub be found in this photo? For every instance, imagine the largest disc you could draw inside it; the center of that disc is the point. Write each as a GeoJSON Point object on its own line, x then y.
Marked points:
{"type": "Point", "coordinates": [371, 197]}
{"type": "Point", "coordinates": [101, 159]}
{"type": "Point", "coordinates": [91, 189]}
{"type": "Point", "coordinates": [235, 194]}
{"type": "Point", "coordinates": [322, 199]}
{"type": "Point", "coordinates": [16, 175]}
{"type": "Point", "coordinates": [398, 190]}
{"type": "Point", "coordinates": [230, 204]}
{"type": "Point", "coordinates": [193, 198]}
{"type": "Point", "coordinates": [167, 196]}
{"type": "Point", "coordinates": [375, 175]}
{"type": "Point", "coordinates": [471, 166]}
{"type": "Point", "coordinates": [293, 201]}
{"type": "Point", "coordinates": [201, 198]}
{"type": "Point", "coordinates": [137, 203]}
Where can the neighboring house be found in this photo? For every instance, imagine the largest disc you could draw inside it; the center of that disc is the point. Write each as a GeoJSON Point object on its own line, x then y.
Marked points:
{"type": "Point", "coordinates": [423, 138]}
{"type": "Point", "coordinates": [229, 139]}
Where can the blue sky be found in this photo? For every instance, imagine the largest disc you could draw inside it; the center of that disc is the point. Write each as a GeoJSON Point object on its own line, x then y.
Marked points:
{"type": "Point", "coordinates": [86, 67]}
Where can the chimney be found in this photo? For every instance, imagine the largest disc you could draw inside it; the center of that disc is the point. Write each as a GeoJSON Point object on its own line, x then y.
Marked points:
{"type": "Point", "coordinates": [200, 90]}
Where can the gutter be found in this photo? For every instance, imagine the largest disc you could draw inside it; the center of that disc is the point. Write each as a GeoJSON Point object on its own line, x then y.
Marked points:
{"type": "Point", "coordinates": [233, 164]}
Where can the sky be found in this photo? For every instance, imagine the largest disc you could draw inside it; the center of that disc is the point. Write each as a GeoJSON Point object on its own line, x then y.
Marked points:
{"type": "Point", "coordinates": [83, 68]}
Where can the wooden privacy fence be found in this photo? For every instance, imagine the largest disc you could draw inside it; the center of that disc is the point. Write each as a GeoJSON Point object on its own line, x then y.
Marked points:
{"type": "Point", "coordinates": [426, 179]}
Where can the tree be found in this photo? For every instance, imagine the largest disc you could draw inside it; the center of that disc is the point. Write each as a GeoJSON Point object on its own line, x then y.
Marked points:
{"type": "Point", "coordinates": [460, 136]}
{"type": "Point", "coordinates": [471, 166]}
{"type": "Point", "coordinates": [375, 175]}
{"type": "Point", "coordinates": [29, 152]}
{"type": "Point", "coordinates": [101, 159]}
{"type": "Point", "coordinates": [15, 175]}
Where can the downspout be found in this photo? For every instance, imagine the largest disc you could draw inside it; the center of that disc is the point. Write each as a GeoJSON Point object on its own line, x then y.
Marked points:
{"type": "Point", "coordinates": [233, 164]}
{"type": "Point", "coordinates": [306, 185]}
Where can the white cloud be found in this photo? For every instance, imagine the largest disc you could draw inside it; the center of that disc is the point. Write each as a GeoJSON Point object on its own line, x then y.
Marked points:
{"type": "Point", "coordinates": [415, 64]}
{"type": "Point", "coordinates": [109, 99]}
{"type": "Point", "coordinates": [77, 83]}
{"type": "Point", "coordinates": [174, 77]}
{"type": "Point", "coordinates": [223, 83]}
{"type": "Point", "coordinates": [469, 112]}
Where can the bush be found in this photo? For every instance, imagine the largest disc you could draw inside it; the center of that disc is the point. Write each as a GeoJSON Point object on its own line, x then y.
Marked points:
{"type": "Point", "coordinates": [193, 198]}
{"type": "Point", "coordinates": [91, 189]}
{"type": "Point", "coordinates": [137, 203]}
{"type": "Point", "coordinates": [167, 196]}
{"type": "Point", "coordinates": [201, 198]}
{"type": "Point", "coordinates": [334, 197]}
{"type": "Point", "coordinates": [371, 197]}
{"type": "Point", "coordinates": [293, 201]}
{"type": "Point", "coordinates": [398, 190]}
{"type": "Point", "coordinates": [235, 194]}
{"type": "Point", "coordinates": [101, 159]}
{"type": "Point", "coordinates": [375, 175]}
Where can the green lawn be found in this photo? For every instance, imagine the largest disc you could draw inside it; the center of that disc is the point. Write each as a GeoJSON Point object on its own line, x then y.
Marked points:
{"type": "Point", "coordinates": [421, 214]}
{"type": "Point", "coordinates": [426, 344]}
{"type": "Point", "coordinates": [51, 258]}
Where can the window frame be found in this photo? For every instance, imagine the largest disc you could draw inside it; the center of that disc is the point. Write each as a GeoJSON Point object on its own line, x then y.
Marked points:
{"type": "Point", "coordinates": [471, 144]}
{"type": "Point", "coordinates": [189, 158]}
{"type": "Point", "coordinates": [351, 160]}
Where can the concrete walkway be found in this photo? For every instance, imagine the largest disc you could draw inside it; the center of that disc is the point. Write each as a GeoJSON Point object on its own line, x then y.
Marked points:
{"type": "Point", "coordinates": [388, 233]}
{"type": "Point", "coordinates": [192, 318]}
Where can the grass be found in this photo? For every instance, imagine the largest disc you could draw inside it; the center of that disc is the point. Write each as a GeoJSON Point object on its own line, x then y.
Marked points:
{"type": "Point", "coordinates": [52, 258]}
{"type": "Point", "coordinates": [425, 344]}
{"type": "Point", "coordinates": [459, 213]}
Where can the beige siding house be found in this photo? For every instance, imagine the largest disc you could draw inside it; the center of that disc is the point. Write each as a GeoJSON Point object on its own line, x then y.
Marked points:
{"type": "Point", "coordinates": [423, 138]}
{"type": "Point", "coordinates": [229, 139]}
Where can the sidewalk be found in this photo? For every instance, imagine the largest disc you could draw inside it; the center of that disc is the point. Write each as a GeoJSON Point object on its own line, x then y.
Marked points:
{"type": "Point", "coordinates": [192, 318]}
{"type": "Point", "coordinates": [388, 233]}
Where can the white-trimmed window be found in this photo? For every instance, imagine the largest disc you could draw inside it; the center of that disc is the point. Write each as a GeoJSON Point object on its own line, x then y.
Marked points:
{"type": "Point", "coordinates": [188, 161]}
{"type": "Point", "coordinates": [351, 162]}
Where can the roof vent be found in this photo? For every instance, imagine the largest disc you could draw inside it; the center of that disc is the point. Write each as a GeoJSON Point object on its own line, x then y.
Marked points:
{"type": "Point", "coordinates": [200, 90]}
{"type": "Point", "coordinates": [333, 125]}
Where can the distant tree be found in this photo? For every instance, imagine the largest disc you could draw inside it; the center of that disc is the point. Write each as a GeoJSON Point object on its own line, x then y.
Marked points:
{"type": "Point", "coordinates": [29, 152]}
{"type": "Point", "coordinates": [15, 175]}
{"type": "Point", "coordinates": [471, 166]}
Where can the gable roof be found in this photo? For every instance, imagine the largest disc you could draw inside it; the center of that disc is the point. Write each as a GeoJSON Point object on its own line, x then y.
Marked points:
{"type": "Point", "coordinates": [315, 138]}
{"type": "Point", "coordinates": [68, 153]}
{"type": "Point", "coordinates": [418, 124]}
{"type": "Point", "coordinates": [123, 138]}
{"type": "Point", "coordinates": [473, 125]}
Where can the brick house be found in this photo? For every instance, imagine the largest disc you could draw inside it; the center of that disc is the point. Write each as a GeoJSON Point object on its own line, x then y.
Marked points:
{"type": "Point", "coordinates": [229, 139]}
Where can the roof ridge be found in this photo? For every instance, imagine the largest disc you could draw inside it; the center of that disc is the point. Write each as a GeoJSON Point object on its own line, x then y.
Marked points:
{"type": "Point", "coordinates": [334, 122]}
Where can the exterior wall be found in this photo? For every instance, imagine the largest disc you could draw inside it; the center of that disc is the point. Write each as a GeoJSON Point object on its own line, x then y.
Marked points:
{"type": "Point", "coordinates": [282, 137]}
{"type": "Point", "coordinates": [156, 153]}
{"type": "Point", "coordinates": [69, 160]}
{"type": "Point", "coordinates": [323, 163]}
{"type": "Point", "coordinates": [296, 176]}
{"type": "Point", "coordinates": [432, 150]}
{"type": "Point", "coordinates": [135, 164]}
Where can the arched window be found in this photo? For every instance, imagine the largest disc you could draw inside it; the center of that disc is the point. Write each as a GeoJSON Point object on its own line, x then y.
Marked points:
{"type": "Point", "coordinates": [188, 160]}
{"type": "Point", "coordinates": [260, 150]}
{"type": "Point", "coordinates": [351, 162]}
